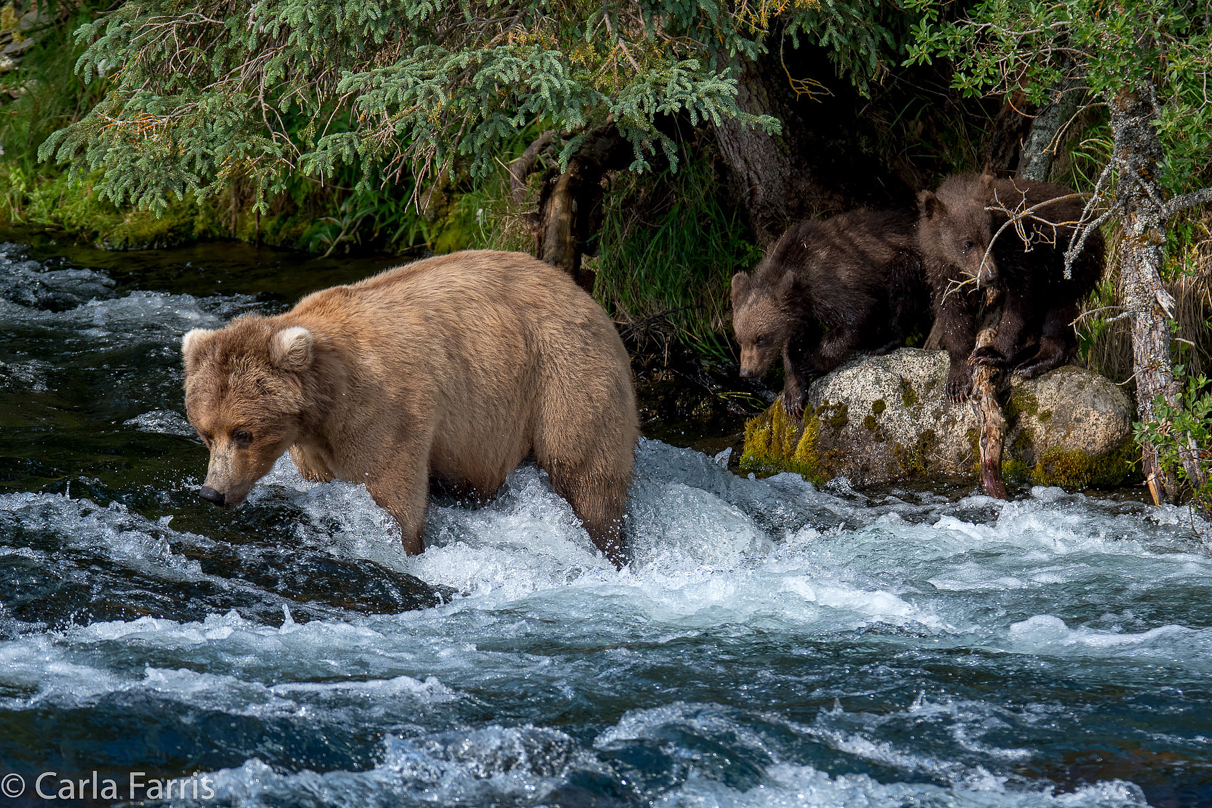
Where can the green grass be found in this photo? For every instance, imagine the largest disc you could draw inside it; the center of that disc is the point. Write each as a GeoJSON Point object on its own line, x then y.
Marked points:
{"type": "Point", "coordinates": [668, 249]}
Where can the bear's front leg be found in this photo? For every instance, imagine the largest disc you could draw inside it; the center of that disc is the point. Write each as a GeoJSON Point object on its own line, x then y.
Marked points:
{"type": "Point", "coordinates": [403, 491]}
{"type": "Point", "coordinates": [1007, 343]}
{"type": "Point", "coordinates": [795, 379]}
{"type": "Point", "coordinates": [955, 322]}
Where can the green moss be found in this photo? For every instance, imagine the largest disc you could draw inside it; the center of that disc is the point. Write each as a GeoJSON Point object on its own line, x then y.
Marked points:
{"type": "Point", "coordinates": [869, 423]}
{"type": "Point", "coordinates": [1024, 443]}
{"type": "Point", "coordinates": [1021, 400]}
{"type": "Point", "coordinates": [908, 394]}
{"type": "Point", "coordinates": [839, 417]}
{"type": "Point", "coordinates": [775, 442]}
{"type": "Point", "coordinates": [1015, 472]}
{"type": "Point", "coordinates": [878, 406]}
{"type": "Point", "coordinates": [806, 459]}
{"type": "Point", "coordinates": [913, 459]}
{"type": "Point", "coordinates": [1069, 468]}
{"type": "Point", "coordinates": [1045, 416]}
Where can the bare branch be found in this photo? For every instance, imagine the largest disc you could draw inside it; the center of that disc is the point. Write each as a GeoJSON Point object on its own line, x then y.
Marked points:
{"type": "Point", "coordinates": [1019, 214]}
{"type": "Point", "coordinates": [1180, 203]}
{"type": "Point", "coordinates": [520, 168]}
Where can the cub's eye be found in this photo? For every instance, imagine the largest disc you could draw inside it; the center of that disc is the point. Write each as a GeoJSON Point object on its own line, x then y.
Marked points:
{"type": "Point", "coordinates": [968, 245]}
{"type": "Point", "coordinates": [760, 340]}
{"type": "Point", "coordinates": [241, 436]}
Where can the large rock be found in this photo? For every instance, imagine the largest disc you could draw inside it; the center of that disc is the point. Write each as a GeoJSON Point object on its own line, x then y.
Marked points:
{"type": "Point", "coordinates": [885, 418]}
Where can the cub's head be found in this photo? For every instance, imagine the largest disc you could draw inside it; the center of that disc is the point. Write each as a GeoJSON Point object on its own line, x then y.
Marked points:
{"type": "Point", "coordinates": [760, 319]}
{"type": "Point", "coordinates": [955, 229]}
{"type": "Point", "coordinates": [244, 394]}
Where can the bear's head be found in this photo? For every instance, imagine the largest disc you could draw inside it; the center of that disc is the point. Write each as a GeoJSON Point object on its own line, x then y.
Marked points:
{"type": "Point", "coordinates": [955, 229]}
{"type": "Point", "coordinates": [245, 394]}
{"type": "Point", "coordinates": [760, 319]}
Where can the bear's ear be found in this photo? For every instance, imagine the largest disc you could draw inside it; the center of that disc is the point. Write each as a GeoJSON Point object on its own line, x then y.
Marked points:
{"type": "Point", "coordinates": [291, 348]}
{"type": "Point", "coordinates": [192, 345]}
{"type": "Point", "coordinates": [929, 205]}
{"type": "Point", "coordinates": [740, 288]}
{"type": "Point", "coordinates": [785, 285]}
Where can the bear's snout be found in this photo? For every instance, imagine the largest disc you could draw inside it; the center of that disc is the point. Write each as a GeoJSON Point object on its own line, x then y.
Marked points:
{"type": "Point", "coordinates": [748, 373]}
{"type": "Point", "coordinates": [211, 495]}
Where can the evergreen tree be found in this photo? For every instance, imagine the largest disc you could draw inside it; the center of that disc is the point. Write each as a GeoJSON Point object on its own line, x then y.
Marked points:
{"type": "Point", "coordinates": [402, 91]}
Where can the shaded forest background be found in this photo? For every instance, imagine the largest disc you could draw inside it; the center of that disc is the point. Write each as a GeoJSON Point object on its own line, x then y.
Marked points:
{"type": "Point", "coordinates": [701, 132]}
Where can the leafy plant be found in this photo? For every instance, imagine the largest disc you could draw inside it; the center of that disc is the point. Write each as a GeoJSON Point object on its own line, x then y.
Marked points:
{"type": "Point", "coordinates": [1181, 433]}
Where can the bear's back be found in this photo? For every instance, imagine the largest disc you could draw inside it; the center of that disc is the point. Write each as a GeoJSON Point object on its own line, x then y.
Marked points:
{"type": "Point", "coordinates": [477, 316]}
{"type": "Point", "coordinates": [852, 252]}
{"type": "Point", "coordinates": [1056, 212]}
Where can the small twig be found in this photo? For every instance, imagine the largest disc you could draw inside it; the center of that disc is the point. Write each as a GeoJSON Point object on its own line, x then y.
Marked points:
{"type": "Point", "coordinates": [521, 168]}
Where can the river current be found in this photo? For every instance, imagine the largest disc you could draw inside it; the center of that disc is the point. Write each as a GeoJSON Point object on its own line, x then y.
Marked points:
{"type": "Point", "coordinates": [770, 644]}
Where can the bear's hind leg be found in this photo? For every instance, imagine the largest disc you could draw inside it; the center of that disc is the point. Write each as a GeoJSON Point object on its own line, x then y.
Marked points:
{"type": "Point", "coordinates": [1057, 344]}
{"type": "Point", "coordinates": [599, 502]}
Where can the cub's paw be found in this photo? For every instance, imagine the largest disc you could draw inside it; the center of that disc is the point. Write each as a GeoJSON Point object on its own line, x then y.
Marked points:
{"type": "Point", "coordinates": [958, 387]}
{"type": "Point", "coordinates": [1035, 366]}
{"type": "Point", "coordinates": [793, 403]}
{"type": "Point", "coordinates": [988, 355]}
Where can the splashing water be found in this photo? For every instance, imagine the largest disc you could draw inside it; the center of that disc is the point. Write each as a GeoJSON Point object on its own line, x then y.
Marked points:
{"type": "Point", "coordinates": [771, 643]}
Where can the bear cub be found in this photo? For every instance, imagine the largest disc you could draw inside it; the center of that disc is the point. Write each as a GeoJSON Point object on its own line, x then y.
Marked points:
{"type": "Point", "coordinates": [456, 368]}
{"type": "Point", "coordinates": [853, 282]}
{"type": "Point", "coordinates": [956, 225]}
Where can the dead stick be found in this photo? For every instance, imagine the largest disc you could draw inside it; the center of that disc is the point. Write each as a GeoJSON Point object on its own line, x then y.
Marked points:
{"type": "Point", "coordinates": [991, 424]}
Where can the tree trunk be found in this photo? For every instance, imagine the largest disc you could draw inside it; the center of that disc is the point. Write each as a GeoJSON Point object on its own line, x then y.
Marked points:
{"type": "Point", "coordinates": [570, 202]}
{"type": "Point", "coordinates": [1139, 154]}
{"type": "Point", "coordinates": [1047, 128]}
{"type": "Point", "coordinates": [1011, 128]}
{"type": "Point", "coordinates": [769, 172]}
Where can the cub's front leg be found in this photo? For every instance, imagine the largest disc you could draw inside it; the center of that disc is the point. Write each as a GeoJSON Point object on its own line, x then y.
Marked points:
{"type": "Point", "coordinates": [795, 375]}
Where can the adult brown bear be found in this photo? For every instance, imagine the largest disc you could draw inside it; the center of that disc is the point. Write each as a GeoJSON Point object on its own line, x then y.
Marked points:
{"type": "Point", "coordinates": [1026, 264]}
{"type": "Point", "coordinates": [456, 367]}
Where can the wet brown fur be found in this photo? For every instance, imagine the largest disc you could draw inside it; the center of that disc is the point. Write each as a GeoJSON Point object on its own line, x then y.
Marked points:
{"type": "Point", "coordinates": [456, 367]}
{"type": "Point", "coordinates": [827, 288]}
{"type": "Point", "coordinates": [1035, 333]}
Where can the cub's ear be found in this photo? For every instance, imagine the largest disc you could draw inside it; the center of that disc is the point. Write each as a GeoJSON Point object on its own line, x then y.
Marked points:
{"type": "Point", "coordinates": [929, 205]}
{"type": "Point", "coordinates": [291, 348]}
{"type": "Point", "coordinates": [740, 288]}
{"type": "Point", "coordinates": [785, 285]}
{"type": "Point", "coordinates": [192, 345]}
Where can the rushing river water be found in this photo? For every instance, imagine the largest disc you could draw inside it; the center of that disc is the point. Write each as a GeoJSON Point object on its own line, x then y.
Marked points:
{"type": "Point", "coordinates": [771, 644]}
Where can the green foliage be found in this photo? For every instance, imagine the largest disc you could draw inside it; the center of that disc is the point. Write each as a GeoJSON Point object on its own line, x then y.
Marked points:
{"type": "Point", "coordinates": [398, 91]}
{"type": "Point", "coordinates": [1004, 45]}
{"type": "Point", "coordinates": [403, 92]}
{"type": "Point", "coordinates": [1184, 431]}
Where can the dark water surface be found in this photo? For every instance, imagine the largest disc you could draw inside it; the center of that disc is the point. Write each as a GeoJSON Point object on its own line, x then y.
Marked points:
{"type": "Point", "coordinates": [771, 644]}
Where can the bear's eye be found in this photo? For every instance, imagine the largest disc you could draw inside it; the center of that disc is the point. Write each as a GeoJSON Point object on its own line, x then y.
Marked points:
{"type": "Point", "coordinates": [205, 436]}
{"type": "Point", "coordinates": [968, 245]}
{"type": "Point", "coordinates": [760, 340]}
{"type": "Point", "coordinates": [241, 436]}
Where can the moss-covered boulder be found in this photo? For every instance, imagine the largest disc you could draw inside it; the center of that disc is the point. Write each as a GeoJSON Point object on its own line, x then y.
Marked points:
{"type": "Point", "coordinates": [885, 418]}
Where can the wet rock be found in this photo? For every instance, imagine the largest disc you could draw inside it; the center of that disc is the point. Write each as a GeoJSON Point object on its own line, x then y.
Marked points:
{"type": "Point", "coordinates": [885, 418]}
